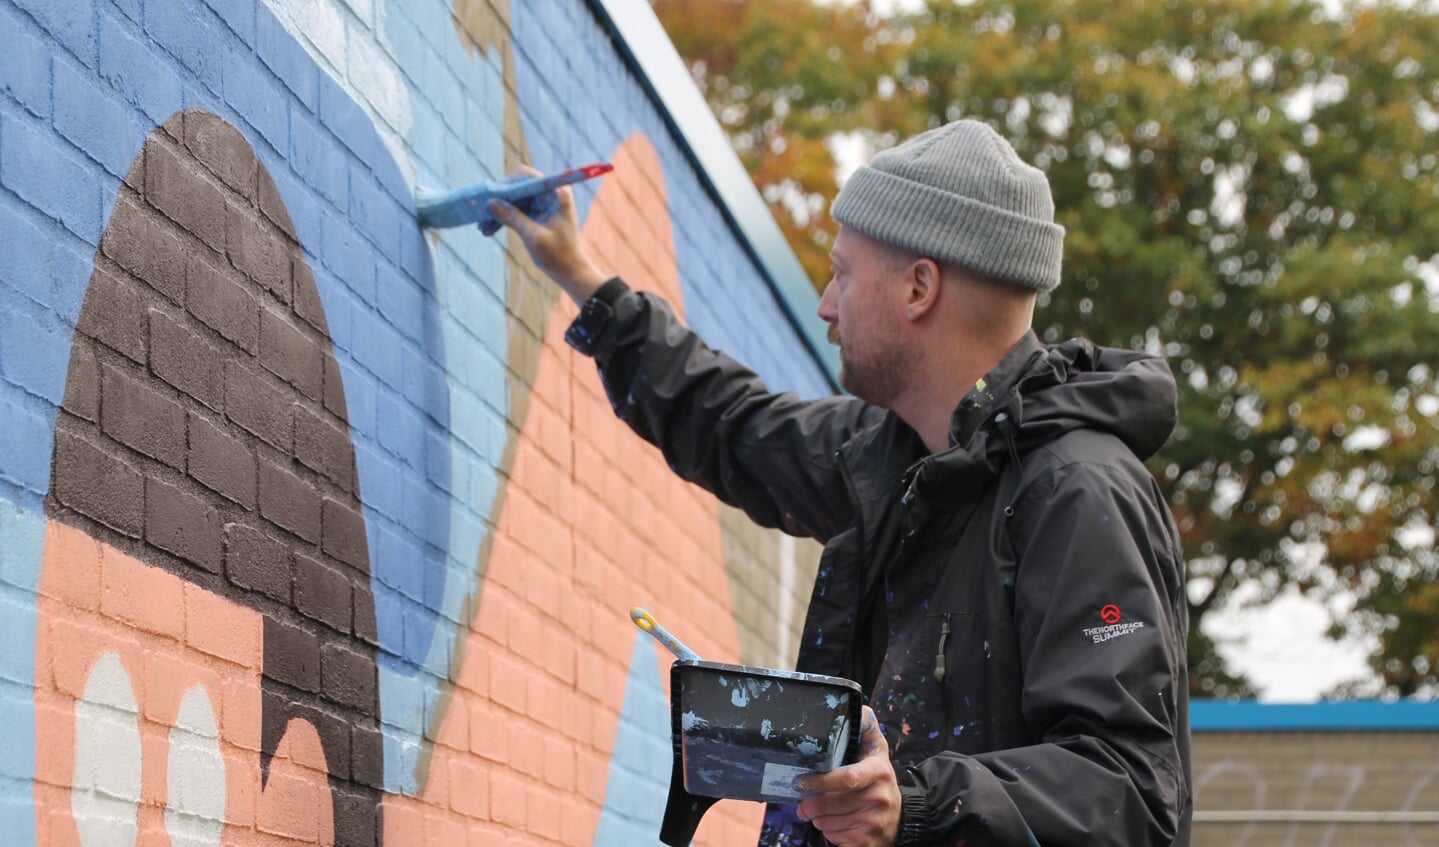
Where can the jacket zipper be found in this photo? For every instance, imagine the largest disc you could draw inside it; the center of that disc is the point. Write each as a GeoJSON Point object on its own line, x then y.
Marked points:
{"type": "Point", "coordinates": [849, 660]}
{"type": "Point", "coordinates": [940, 668]}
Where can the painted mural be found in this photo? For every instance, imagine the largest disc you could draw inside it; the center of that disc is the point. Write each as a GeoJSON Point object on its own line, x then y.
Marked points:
{"type": "Point", "coordinates": [312, 529]}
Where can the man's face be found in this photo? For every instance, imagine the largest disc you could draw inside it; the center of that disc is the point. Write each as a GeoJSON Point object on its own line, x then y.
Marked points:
{"type": "Point", "coordinates": [862, 305]}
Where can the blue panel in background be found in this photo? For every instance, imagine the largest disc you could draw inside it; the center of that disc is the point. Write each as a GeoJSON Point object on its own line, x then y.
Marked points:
{"type": "Point", "coordinates": [1334, 716]}
{"type": "Point", "coordinates": [638, 783]}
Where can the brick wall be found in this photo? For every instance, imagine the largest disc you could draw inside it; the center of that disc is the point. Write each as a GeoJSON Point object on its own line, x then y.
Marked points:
{"type": "Point", "coordinates": [312, 530]}
{"type": "Point", "coordinates": [1271, 788]}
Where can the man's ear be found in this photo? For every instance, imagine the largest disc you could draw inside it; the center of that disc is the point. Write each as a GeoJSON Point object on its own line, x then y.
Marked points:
{"type": "Point", "coordinates": [923, 285]}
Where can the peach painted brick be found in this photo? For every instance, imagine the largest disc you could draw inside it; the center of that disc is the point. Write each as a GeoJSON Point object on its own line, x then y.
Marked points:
{"type": "Point", "coordinates": [469, 788]}
{"type": "Point", "coordinates": [528, 740]}
{"type": "Point", "coordinates": [591, 674]}
{"type": "Point", "coordinates": [72, 571]}
{"type": "Point", "coordinates": [574, 729]}
{"type": "Point", "coordinates": [443, 829]}
{"type": "Point", "coordinates": [437, 784]}
{"type": "Point", "coordinates": [543, 697]}
{"type": "Point", "coordinates": [507, 798]}
{"type": "Point", "coordinates": [525, 633]}
{"type": "Point", "coordinates": [592, 775]}
{"type": "Point", "coordinates": [289, 806]}
{"type": "Point", "coordinates": [168, 675]}
{"type": "Point", "coordinates": [404, 821]}
{"type": "Point", "coordinates": [507, 681]}
{"type": "Point", "coordinates": [541, 803]}
{"type": "Point", "coordinates": [215, 626]}
{"type": "Point", "coordinates": [489, 737]}
{"type": "Point", "coordinates": [69, 671]}
{"type": "Point", "coordinates": [239, 711]}
{"type": "Point", "coordinates": [542, 587]}
{"type": "Point", "coordinates": [144, 597]}
{"type": "Point", "coordinates": [472, 677]}
{"type": "Point", "coordinates": [559, 763]}
{"type": "Point", "coordinates": [578, 822]}
{"type": "Point", "coordinates": [558, 653]}
{"type": "Point", "coordinates": [454, 729]}
{"type": "Point", "coordinates": [242, 785]}
{"type": "Point", "coordinates": [492, 622]}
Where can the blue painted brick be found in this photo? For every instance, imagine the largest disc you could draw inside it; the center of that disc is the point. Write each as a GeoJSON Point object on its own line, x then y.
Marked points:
{"type": "Point", "coordinates": [478, 310]}
{"type": "Point", "coordinates": [398, 561]}
{"type": "Point", "coordinates": [400, 301]}
{"type": "Point", "coordinates": [377, 347]}
{"type": "Point", "coordinates": [25, 72]}
{"type": "Point", "coordinates": [339, 303]}
{"type": "Point", "coordinates": [348, 255]}
{"type": "Point", "coordinates": [189, 32]}
{"type": "Point", "coordinates": [302, 206]}
{"type": "Point", "coordinates": [360, 390]}
{"type": "Point", "coordinates": [375, 213]}
{"type": "Point", "coordinates": [317, 159]}
{"type": "Point", "coordinates": [25, 450]}
{"type": "Point", "coordinates": [282, 54]}
{"type": "Point", "coordinates": [425, 385]}
{"type": "Point", "coordinates": [380, 496]}
{"type": "Point", "coordinates": [49, 177]}
{"type": "Point", "coordinates": [136, 72]}
{"type": "Point", "coordinates": [390, 620]}
{"type": "Point", "coordinates": [132, 9]}
{"type": "Point", "coordinates": [93, 121]}
{"type": "Point", "coordinates": [415, 255]}
{"type": "Point", "coordinates": [22, 536]}
{"type": "Point", "coordinates": [401, 430]}
{"type": "Point", "coordinates": [468, 420]}
{"type": "Point", "coordinates": [17, 646]}
{"type": "Point", "coordinates": [239, 15]}
{"type": "Point", "coordinates": [343, 117]}
{"type": "Point", "coordinates": [254, 95]}
{"type": "Point", "coordinates": [34, 352]}
{"type": "Point", "coordinates": [425, 510]}
{"type": "Point", "coordinates": [23, 267]}
{"type": "Point", "coordinates": [72, 23]}
{"type": "Point", "coordinates": [427, 134]}
{"type": "Point", "coordinates": [438, 468]}
{"type": "Point", "coordinates": [404, 44]}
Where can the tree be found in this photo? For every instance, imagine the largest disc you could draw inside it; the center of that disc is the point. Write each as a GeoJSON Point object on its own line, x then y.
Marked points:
{"type": "Point", "coordinates": [1250, 188]}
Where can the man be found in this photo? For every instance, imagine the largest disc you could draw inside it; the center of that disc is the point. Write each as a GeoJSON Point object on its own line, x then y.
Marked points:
{"type": "Point", "coordinates": [1000, 571]}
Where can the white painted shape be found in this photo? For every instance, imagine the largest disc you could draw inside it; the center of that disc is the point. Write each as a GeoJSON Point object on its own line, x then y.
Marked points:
{"type": "Point", "coordinates": [195, 776]}
{"type": "Point", "coordinates": [105, 790]}
{"type": "Point", "coordinates": [341, 37]}
{"type": "Point", "coordinates": [785, 615]}
{"type": "Point", "coordinates": [375, 77]}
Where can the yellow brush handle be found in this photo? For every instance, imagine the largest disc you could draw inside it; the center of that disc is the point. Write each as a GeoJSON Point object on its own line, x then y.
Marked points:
{"type": "Point", "coordinates": [647, 623]}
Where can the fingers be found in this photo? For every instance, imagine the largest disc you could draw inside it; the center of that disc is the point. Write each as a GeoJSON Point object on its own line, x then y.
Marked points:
{"type": "Point", "coordinates": [857, 804]}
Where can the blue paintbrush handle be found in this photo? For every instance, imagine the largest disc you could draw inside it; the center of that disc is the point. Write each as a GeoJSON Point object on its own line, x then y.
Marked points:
{"type": "Point", "coordinates": [533, 195]}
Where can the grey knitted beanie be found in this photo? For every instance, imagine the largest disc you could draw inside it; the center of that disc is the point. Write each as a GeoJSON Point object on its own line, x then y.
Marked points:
{"type": "Point", "coordinates": [959, 194]}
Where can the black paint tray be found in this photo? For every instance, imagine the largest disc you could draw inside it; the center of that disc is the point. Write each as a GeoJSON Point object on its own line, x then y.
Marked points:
{"type": "Point", "coordinates": [745, 733]}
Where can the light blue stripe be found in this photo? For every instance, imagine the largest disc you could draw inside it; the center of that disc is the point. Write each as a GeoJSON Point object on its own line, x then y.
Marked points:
{"type": "Point", "coordinates": [1334, 716]}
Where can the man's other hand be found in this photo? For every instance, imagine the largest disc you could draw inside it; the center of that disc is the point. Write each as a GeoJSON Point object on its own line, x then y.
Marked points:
{"type": "Point", "coordinates": [856, 805]}
{"type": "Point", "coordinates": [555, 244]}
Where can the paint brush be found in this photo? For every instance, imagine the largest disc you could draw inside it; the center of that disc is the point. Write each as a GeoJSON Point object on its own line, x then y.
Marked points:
{"type": "Point", "coordinates": [533, 195]}
{"type": "Point", "coordinates": [646, 622]}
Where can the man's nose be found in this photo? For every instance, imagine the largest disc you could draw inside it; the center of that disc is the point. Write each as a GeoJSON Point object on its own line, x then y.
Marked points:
{"type": "Point", "coordinates": [828, 308]}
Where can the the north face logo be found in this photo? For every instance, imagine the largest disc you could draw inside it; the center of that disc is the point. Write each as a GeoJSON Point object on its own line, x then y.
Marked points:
{"type": "Point", "coordinates": [1114, 625]}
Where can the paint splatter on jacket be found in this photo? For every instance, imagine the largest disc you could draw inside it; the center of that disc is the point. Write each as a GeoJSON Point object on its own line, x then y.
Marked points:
{"type": "Point", "coordinates": [1014, 605]}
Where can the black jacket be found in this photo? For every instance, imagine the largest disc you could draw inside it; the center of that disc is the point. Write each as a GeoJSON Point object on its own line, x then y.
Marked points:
{"type": "Point", "coordinates": [1014, 605]}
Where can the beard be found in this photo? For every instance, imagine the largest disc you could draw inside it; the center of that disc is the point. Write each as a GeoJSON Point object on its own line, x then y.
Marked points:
{"type": "Point", "coordinates": [875, 376]}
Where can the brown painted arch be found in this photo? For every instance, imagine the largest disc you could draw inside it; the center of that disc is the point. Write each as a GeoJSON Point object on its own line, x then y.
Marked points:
{"type": "Point", "coordinates": [203, 432]}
